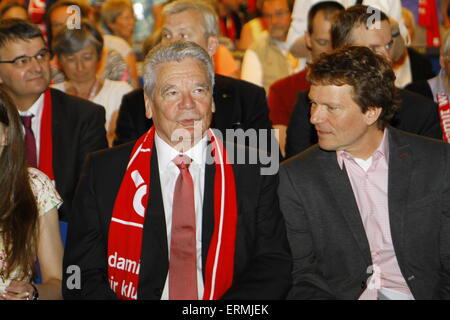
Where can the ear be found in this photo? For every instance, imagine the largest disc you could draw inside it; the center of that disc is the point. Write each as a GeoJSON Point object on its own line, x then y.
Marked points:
{"type": "Point", "coordinates": [441, 60]}
{"type": "Point", "coordinates": [111, 26]}
{"type": "Point", "coordinates": [372, 114]}
{"type": "Point", "coordinates": [212, 45]}
{"type": "Point", "coordinates": [213, 107]}
{"type": "Point", "coordinates": [148, 106]}
{"type": "Point", "coordinates": [308, 40]}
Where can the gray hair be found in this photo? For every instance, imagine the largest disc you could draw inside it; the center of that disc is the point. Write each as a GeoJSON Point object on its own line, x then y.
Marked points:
{"type": "Point", "coordinates": [70, 41]}
{"type": "Point", "coordinates": [175, 51]}
{"type": "Point", "coordinates": [111, 9]}
{"type": "Point", "coordinates": [210, 19]}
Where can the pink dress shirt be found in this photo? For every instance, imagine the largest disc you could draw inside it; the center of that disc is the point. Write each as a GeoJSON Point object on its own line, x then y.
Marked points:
{"type": "Point", "coordinates": [370, 189]}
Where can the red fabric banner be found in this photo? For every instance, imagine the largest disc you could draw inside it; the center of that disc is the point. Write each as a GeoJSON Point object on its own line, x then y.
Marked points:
{"type": "Point", "coordinates": [428, 18]}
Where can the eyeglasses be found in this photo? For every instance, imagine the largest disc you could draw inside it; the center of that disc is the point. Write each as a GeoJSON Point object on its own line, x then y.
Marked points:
{"type": "Point", "coordinates": [23, 61]}
{"type": "Point", "coordinates": [388, 46]}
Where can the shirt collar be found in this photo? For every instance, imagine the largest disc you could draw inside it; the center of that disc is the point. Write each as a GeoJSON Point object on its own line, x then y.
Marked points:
{"type": "Point", "coordinates": [36, 108]}
{"type": "Point", "coordinates": [381, 151]}
{"type": "Point", "coordinates": [166, 153]}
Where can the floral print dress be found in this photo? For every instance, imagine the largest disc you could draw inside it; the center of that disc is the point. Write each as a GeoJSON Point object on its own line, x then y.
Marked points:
{"type": "Point", "coordinates": [47, 198]}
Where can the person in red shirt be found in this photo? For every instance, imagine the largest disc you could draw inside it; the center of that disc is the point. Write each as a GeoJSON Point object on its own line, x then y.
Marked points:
{"type": "Point", "coordinates": [283, 93]}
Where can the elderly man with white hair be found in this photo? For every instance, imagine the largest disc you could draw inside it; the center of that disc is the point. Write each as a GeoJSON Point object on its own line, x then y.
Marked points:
{"type": "Point", "coordinates": [173, 216]}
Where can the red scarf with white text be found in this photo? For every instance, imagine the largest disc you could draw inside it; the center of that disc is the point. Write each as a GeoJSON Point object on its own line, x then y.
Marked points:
{"type": "Point", "coordinates": [126, 227]}
{"type": "Point", "coordinates": [444, 115]}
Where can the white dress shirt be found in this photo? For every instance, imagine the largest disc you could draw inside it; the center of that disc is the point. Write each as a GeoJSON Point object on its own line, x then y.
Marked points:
{"type": "Point", "coordinates": [36, 111]}
{"type": "Point", "coordinates": [168, 173]}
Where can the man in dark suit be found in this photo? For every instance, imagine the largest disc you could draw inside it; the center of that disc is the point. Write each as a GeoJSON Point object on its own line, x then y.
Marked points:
{"type": "Point", "coordinates": [416, 114]}
{"type": "Point", "coordinates": [409, 65]}
{"type": "Point", "coordinates": [367, 209]}
{"type": "Point", "coordinates": [63, 129]}
{"type": "Point", "coordinates": [239, 104]}
{"type": "Point", "coordinates": [235, 238]}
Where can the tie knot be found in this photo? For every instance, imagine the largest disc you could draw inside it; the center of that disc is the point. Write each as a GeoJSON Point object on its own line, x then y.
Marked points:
{"type": "Point", "coordinates": [182, 161]}
{"type": "Point", "coordinates": [26, 120]}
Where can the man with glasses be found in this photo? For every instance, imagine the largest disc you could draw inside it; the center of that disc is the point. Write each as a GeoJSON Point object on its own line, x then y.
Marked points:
{"type": "Point", "coordinates": [268, 59]}
{"type": "Point", "coordinates": [239, 104]}
{"type": "Point", "coordinates": [60, 130]}
{"type": "Point", "coordinates": [417, 114]}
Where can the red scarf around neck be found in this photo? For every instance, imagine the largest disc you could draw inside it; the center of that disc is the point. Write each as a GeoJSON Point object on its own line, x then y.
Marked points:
{"type": "Point", "coordinates": [46, 140]}
{"type": "Point", "coordinates": [444, 115]}
{"type": "Point", "coordinates": [126, 227]}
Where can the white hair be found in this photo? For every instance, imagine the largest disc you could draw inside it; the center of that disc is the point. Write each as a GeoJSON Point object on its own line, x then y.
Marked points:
{"type": "Point", "coordinates": [175, 51]}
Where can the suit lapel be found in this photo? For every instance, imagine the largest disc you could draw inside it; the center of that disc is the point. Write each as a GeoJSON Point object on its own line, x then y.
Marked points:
{"type": "Point", "coordinates": [400, 168]}
{"type": "Point", "coordinates": [154, 256]}
{"type": "Point", "coordinates": [208, 212]}
{"type": "Point", "coordinates": [226, 106]}
{"type": "Point", "coordinates": [342, 191]}
{"type": "Point", "coordinates": [57, 136]}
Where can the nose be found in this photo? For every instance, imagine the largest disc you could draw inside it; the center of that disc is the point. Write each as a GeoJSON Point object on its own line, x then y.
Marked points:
{"type": "Point", "coordinates": [79, 65]}
{"type": "Point", "coordinates": [35, 64]}
{"type": "Point", "coordinates": [187, 102]}
{"type": "Point", "coordinates": [317, 114]}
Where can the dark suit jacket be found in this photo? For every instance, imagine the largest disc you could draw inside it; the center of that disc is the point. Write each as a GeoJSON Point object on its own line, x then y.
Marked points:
{"type": "Point", "coordinates": [239, 104]}
{"type": "Point", "coordinates": [78, 127]}
{"type": "Point", "coordinates": [421, 68]}
{"type": "Point", "coordinates": [421, 87]}
{"type": "Point", "coordinates": [329, 245]}
{"type": "Point", "coordinates": [262, 259]}
{"type": "Point", "coordinates": [417, 114]}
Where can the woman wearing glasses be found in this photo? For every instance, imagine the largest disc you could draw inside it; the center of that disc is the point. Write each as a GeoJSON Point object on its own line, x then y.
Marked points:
{"type": "Point", "coordinates": [28, 218]}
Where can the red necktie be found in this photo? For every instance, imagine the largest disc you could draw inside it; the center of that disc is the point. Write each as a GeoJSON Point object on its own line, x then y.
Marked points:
{"type": "Point", "coordinates": [183, 252]}
{"type": "Point", "coordinates": [30, 141]}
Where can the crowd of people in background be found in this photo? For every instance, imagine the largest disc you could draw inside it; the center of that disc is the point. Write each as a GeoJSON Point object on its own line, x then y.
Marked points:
{"type": "Point", "coordinates": [93, 91]}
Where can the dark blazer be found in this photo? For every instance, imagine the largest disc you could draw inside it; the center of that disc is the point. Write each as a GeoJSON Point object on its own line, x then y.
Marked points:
{"type": "Point", "coordinates": [421, 87]}
{"type": "Point", "coordinates": [421, 67]}
{"type": "Point", "coordinates": [417, 114]}
{"type": "Point", "coordinates": [329, 245]}
{"type": "Point", "coordinates": [239, 104]}
{"type": "Point", "coordinates": [78, 127]}
{"type": "Point", "coordinates": [262, 260]}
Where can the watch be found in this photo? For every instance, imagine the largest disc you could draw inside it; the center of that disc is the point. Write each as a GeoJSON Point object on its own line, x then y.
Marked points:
{"type": "Point", "coordinates": [35, 295]}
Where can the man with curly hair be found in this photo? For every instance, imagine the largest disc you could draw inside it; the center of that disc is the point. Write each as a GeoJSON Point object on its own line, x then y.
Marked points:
{"type": "Point", "coordinates": [367, 209]}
